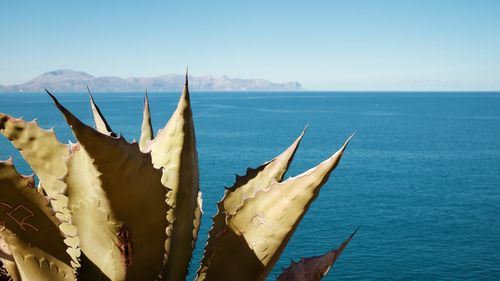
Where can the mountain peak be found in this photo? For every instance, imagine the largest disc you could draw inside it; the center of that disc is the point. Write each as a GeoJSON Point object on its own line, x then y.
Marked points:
{"type": "Point", "coordinates": [66, 74]}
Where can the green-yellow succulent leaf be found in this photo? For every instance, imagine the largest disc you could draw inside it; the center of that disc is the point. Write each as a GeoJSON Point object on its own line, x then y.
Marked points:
{"type": "Point", "coordinates": [30, 229]}
{"type": "Point", "coordinates": [7, 260]}
{"type": "Point", "coordinates": [146, 127]}
{"type": "Point", "coordinates": [101, 124]}
{"type": "Point", "coordinates": [41, 149]}
{"type": "Point", "coordinates": [174, 150]}
{"type": "Point", "coordinates": [259, 178]}
{"type": "Point", "coordinates": [258, 232]}
{"type": "Point", "coordinates": [46, 156]}
{"type": "Point", "coordinates": [118, 203]}
{"type": "Point", "coordinates": [246, 186]}
{"type": "Point", "coordinates": [12, 270]}
{"type": "Point", "coordinates": [5, 254]}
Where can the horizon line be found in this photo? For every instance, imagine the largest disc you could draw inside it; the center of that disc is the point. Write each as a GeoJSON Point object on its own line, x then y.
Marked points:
{"type": "Point", "coordinates": [273, 91]}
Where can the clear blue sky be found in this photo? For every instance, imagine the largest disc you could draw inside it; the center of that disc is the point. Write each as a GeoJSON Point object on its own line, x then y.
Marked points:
{"type": "Point", "coordinates": [339, 45]}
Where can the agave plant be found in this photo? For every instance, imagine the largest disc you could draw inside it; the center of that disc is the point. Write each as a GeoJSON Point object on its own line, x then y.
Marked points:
{"type": "Point", "coordinates": [107, 209]}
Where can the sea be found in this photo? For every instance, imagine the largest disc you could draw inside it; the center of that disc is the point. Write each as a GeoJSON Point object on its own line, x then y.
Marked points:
{"type": "Point", "coordinates": [421, 177]}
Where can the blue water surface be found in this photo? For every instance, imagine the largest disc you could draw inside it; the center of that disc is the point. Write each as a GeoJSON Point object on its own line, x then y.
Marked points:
{"type": "Point", "coordinates": [421, 177]}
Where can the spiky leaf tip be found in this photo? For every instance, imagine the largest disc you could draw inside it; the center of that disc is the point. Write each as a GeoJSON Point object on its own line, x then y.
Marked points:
{"type": "Point", "coordinates": [101, 124]}
{"type": "Point", "coordinates": [146, 127]}
{"type": "Point", "coordinates": [313, 268]}
{"type": "Point", "coordinates": [174, 150]}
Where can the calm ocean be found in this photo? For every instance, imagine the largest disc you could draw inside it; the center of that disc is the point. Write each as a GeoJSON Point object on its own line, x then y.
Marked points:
{"type": "Point", "coordinates": [421, 176]}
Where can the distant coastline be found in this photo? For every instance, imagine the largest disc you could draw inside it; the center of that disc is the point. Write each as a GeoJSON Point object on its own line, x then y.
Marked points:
{"type": "Point", "coordinates": [77, 81]}
{"type": "Point", "coordinates": [71, 81]}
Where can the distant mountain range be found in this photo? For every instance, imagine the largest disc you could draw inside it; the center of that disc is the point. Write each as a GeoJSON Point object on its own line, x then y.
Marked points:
{"type": "Point", "coordinates": [77, 81]}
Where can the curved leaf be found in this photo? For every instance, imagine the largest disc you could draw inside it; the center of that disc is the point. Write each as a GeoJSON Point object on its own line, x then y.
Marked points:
{"type": "Point", "coordinates": [12, 271]}
{"type": "Point", "coordinates": [259, 231]}
{"type": "Point", "coordinates": [146, 128]}
{"type": "Point", "coordinates": [41, 149]}
{"type": "Point", "coordinates": [314, 268]}
{"type": "Point", "coordinates": [244, 187]}
{"type": "Point", "coordinates": [118, 204]}
{"type": "Point", "coordinates": [5, 253]}
{"type": "Point", "coordinates": [101, 124]}
{"type": "Point", "coordinates": [8, 268]}
{"type": "Point", "coordinates": [30, 229]}
{"type": "Point", "coordinates": [174, 150]}
{"type": "Point", "coordinates": [46, 156]}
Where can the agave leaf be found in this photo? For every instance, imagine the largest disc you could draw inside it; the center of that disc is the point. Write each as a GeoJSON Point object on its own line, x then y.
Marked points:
{"type": "Point", "coordinates": [101, 124]}
{"type": "Point", "coordinates": [12, 270]}
{"type": "Point", "coordinates": [118, 204]}
{"type": "Point", "coordinates": [41, 149]}
{"type": "Point", "coordinates": [147, 127]}
{"type": "Point", "coordinates": [7, 262]}
{"type": "Point", "coordinates": [46, 156]}
{"type": "Point", "coordinates": [5, 253]}
{"type": "Point", "coordinates": [174, 150]}
{"type": "Point", "coordinates": [259, 231]}
{"type": "Point", "coordinates": [259, 178]}
{"type": "Point", "coordinates": [246, 186]}
{"type": "Point", "coordinates": [314, 268]}
{"type": "Point", "coordinates": [30, 229]}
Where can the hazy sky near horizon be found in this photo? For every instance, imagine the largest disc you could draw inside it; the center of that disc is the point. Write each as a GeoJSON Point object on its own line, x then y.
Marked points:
{"type": "Point", "coordinates": [326, 45]}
